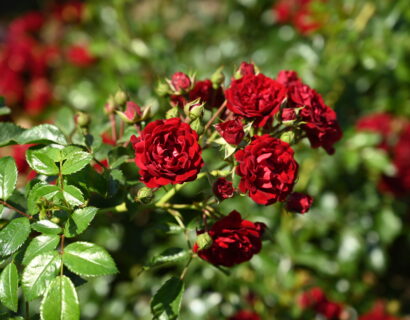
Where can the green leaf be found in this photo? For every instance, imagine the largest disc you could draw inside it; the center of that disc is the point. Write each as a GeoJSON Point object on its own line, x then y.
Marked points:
{"type": "Point", "coordinates": [13, 235]}
{"type": "Point", "coordinates": [168, 256]}
{"type": "Point", "coordinates": [46, 226]}
{"type": "Point", "coordinates": [39, 192]}
{"type": "Point", "coordinates": [45, 133]}
{"type": "Point", "coordinates": [9, 287]}
{"type": "Point", "coordinates": [8, 177]}
{"type": "Point", "coordinates": [39, 245]}
{"type": "Point", "coordinates": [8, 132]}
{"type": "Point", "coordinates": [39, 273]}
{"type": "Point", "coordinates": [76, 161]}
{"type": "Point", "coordinates": [167, 301]}
{"type": "Point", "coordinates": [73, 195]}
{"type": "Point", "coordinates": [41, 162]}
{"type": "Point", "coordinates": [60, 301]}
{"type": "Point", "coordinates": [88, 259]}
{"type": "Point", "coordinates": [42, 134]}
{"type": "Point", "coordinates": [79, 221]}
{"type": "Point", "coordinates": [65, 120]}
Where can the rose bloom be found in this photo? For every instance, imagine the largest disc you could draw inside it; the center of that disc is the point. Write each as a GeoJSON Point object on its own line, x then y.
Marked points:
{"type": "Point", "coordinates": [223, 189]}
{"type": "Point", "coordinates": [246, 68]}
{"type": "Point", "coordinates": [180, 81]}
{"type": "Point", "coordinates": [255, 97]}
{"type": "Point", "coordinates": [378, 312]}
{"type": "Point", "coordinates": [231, 131]}
{"type": "Point", "coordinates": [204, 90]}
{"type": "Point", "coordinates": [245, 315]}
{"type": "Point", "coordinates": [167, 152]}
{"type": "Point", "coordinates": [321, 127]}
{"type": "Point", "coordinates": [316, 300]}
{"type": "Point", "coordinates": [267, 168]}
{"type": "Point", "coordinates": [234, 241]}
{"type": "Point", "coordinates": [299, 202]}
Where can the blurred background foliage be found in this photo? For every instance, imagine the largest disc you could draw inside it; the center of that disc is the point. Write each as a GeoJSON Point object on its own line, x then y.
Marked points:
{"type": "Point", "coordinates": [354, 242]}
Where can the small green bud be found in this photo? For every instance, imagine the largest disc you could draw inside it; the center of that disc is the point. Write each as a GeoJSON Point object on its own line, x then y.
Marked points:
{"type": "Point", "coordinates": [56, 220]}
{"type": "Point", "coordinates": [217, 78]}
{"type": "Point", "coordinates": [196, 112]}
{"type": "Point", "coordinates": [204, 241]}
{"type": "Point", "coordinates": [288, 136]}
{"type": "Point", "coordinates": [82, 119]}
{"type": "Point", "coordinates": [146, 113]}
{"type": "Point", "coordinates": [109, 107]}
{"type": "Point", "coordinates": [120, 98]}
{"type": "Point", "coordinates": [145, 195]}
{"type": "Point", "coordinates": [172, 113]}
{"type": "Point", "coordinates": [162, 89]}
{"type": "Point", "coordinates": [197, 125]}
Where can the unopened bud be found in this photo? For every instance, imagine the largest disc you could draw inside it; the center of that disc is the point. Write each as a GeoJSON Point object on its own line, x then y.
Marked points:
{"type": "Point", "coordinates": [56, 220]}
{"type": "Point", "coordinates": [180, 82]}
{"type": "Point", "coordinates": [246, 69]}
{"type": "Point", "coordinates": [197, 125]}
{"type": "Point", "coordinates": [172, 113]}
{"type": "Point", "coordinates": [162, 89]}
{"type": "Point", "coordinates": [146, 113]}
{"type": "Point", "coordinates": [109, 107]}
{"type": "Point", "coordinates": [196, 112]}
{"type": "Point", "coordinates": [82, 119]}
{"type": "Point", "coordinates": [288, 136]}
{"type": "Point", "coordinates": [120, 98]}
{"type": "Point", "coordinates": [204, 241]}
{"type": "Point", "coordinates": [217, 78]}
{"type": "Point", "coordinates": [145, 195]}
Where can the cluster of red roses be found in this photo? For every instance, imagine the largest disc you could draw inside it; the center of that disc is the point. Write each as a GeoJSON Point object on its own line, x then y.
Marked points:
{"type": "Point", "coordinates": [168, 151]}
{"type": "Point", "coordinates": [29, 51]}
{"type": "Point", "coordinates": [315, 299]}
{"type": "Point", "coordinates": [395, 135]}
{"type": "Point", "coordinates": [298, 13]}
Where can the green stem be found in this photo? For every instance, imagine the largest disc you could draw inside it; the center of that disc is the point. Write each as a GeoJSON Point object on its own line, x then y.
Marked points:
{"type": "Point", "coordinates": [122, 207]}
{"type": "Point", "coordinates": [183, 274]}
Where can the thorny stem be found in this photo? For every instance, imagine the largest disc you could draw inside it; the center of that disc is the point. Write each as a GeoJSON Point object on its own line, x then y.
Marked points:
{"type": "Point", "coordinates": [216, 114]}
{"type": "Point", "coordinates": [4, 203]}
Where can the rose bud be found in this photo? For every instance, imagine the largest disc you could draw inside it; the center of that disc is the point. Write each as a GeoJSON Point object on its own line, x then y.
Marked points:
{"type": "Point", "coordinates": [204, 241]}
{"type": "Point", "coordinates": [288, 137]}
{"type": "Point", "coordinates": [180, 82]}
{"type": "Point", "coordinates": [109, 106]}
{"type": "Point", "coordinates": [194, 109]}
{"type": "Point", "coordinates": [82, 119]}
{"type": "Point", "coordinates": [217, 78]}
{"type": "Point", "coordinates": [162, 89]}
{"type": "Point", "coordinates": [245, 69]}
{"type": "Point", "coordinates": [231, 130]}
{"type": "Point", "coordinates": [223, 189]}
{"type": "Point", "coordinates": [234, 241]}
{"type": "Point", "coordinates": [197, 126]}
{"type": "Point", "coordinates": [120, 98]}
{"type": "Point", "coordinates": [132, 113]}
{"type": "Point", "coordinates": [172, 113]}
{"type": "Point", "coordinates": [145, 195]}
{"type": "Point", "coordinates": [288, 115]}
{"type": "Point", "coordinates": [298, 202]}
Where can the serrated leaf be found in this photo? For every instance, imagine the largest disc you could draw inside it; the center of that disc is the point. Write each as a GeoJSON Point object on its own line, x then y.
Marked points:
{"type": "Point", "coordinates": [88, 259]}
{"type": "Point", "coordinates": [168, 256]}
{"type": "Point", "coordinates": [47, 227]}
{"type": "Point", "coordinates": [9, 287]}
{"type": "Point", "coordinates": [39, 161]}
{"type": "Point", "coordinates": [13, 235]}
{"type": "Point", "coordinates": [166, 303]}
{"type": "Point", "coordinates": [38, 274]}
{"type": "Point", "coordinates": [38, 192]}
{"type": "Point", "coordinates": [73, 195]}
{"type": "Point", "coordinates": [40, 245]}
{"type": "Point", "coordinates": [41, 134]}
{"type": "Point", "coordinates": [75, 162]}
{"type": "Point", "coordinates": [79, 221]}
{"type": "Point", "coordinates": [8, 177]}
{"type": "Point", "coordinates": [60, 301]}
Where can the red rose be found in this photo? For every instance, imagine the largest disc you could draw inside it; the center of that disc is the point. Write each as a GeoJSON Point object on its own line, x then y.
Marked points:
{"type": "Point", "coordinates": [29, 22]}
{"type": "Point", "coordinates": [330, 310]}
{"type": "Point", "coordinates": [205, 91]}
{"type": "Point", "coordinates": [223, 189]}
{"type": "Point", "coordinates": [234, 241]}
{"type": "Point", "coordinates": [246, 68]}
{"type": "Point", "coordinates": [312, 298]}
{"type": "Point", "coordinates": [381, 123]}
{"type": "Point", "coordinates": [245, 315]}
{"type": "Point", "coordinates": [231, 131]}
{"type": "Point", "coordinates": [298, 202]}
{"type": "Point", "coordinates": [39, 96]}
{"type": "Point", "coordinates": [268, 169]}
{"type": "Point", "coordinates": [167, 151]}
{"type": "Point", "coordinates": [321, 126]}
{"type": "Point", "coordinates": [180, 82]}
{"type": "Point", "coordinates": [378, 312]}
{"type": "Point", "coordinates": [80, 56]}
{"type": "Point", "coordinates": [256, 97]}
{"type": "Point", "coordinates": [132, 111]}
